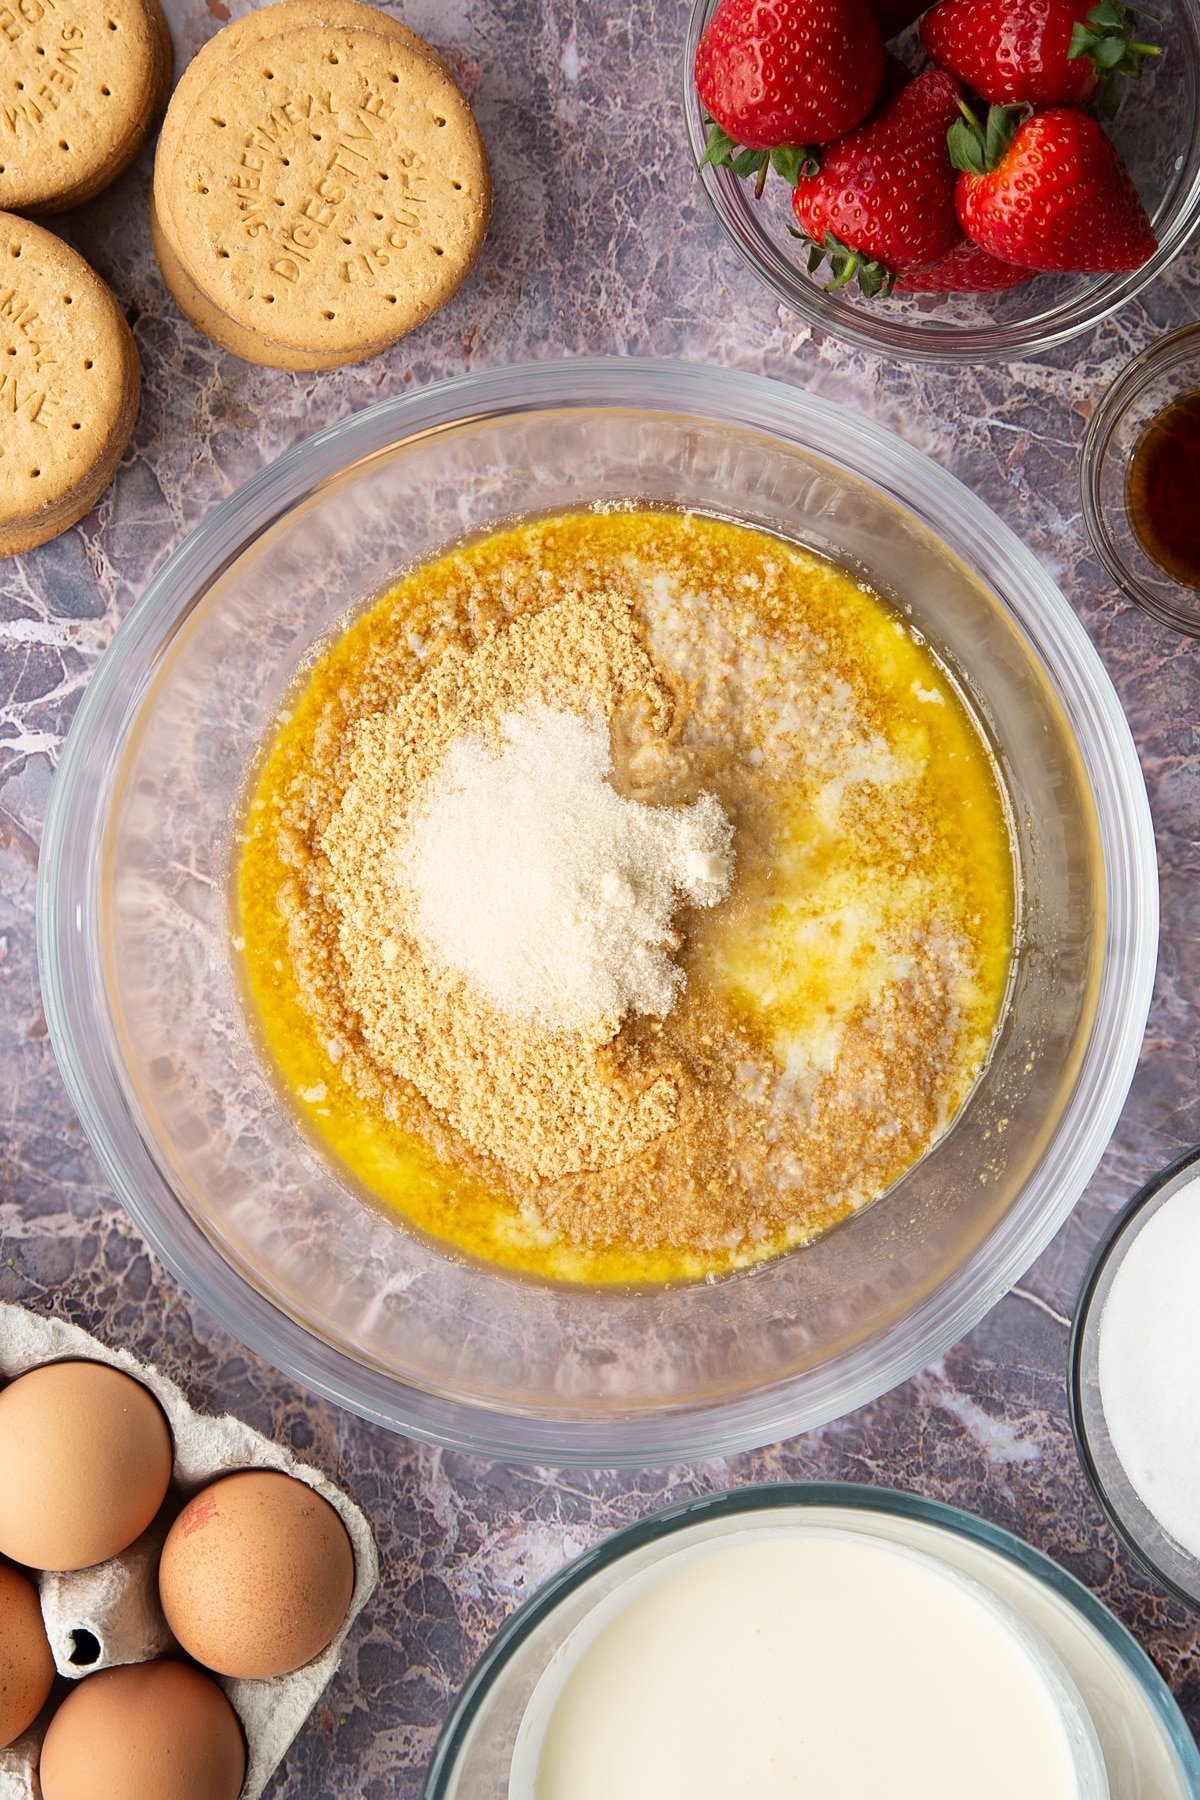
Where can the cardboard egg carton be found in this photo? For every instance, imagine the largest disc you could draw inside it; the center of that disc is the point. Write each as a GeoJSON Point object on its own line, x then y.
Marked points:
{"type": "Point", "coordinates": [96, 1618]}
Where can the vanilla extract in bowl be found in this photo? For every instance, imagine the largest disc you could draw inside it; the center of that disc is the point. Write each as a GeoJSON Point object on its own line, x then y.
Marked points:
{"type": "Point", "coordinates": [1163, 489]}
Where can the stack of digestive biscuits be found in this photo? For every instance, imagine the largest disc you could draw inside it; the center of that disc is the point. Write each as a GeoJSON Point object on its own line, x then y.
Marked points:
{"type": "Point", "coordinates": [69, 385]}
{"type": "Point", "coordinates": [82, 83]}
{"type": "Point", "coordinates": [320, 186]}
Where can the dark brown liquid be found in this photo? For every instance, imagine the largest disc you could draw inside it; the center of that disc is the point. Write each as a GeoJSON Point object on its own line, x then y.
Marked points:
{"type": "Point", "coordinates": [1163, 490]}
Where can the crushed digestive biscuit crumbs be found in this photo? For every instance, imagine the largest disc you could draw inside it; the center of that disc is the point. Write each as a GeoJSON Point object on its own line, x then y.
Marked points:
{"type": "Point", "coordinates": [559, 1096]}
{"type": "Point", "coordinates": [766, 919]}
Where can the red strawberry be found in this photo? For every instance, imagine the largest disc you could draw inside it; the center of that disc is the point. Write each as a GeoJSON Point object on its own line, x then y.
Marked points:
{"type": "Point", "coordinates": [1048, 191]}
{"type": "Point", "coordinates": [883, 200]}
{"type": "Point", "coordinates": [1043, 52]}
{"type": "Point", "coordinates": [778, 73]}
{"type": "Point", "coordinates": [964, 270]}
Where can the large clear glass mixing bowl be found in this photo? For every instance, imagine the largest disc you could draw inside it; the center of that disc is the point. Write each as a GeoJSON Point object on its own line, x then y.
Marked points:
{"type": "Point", "coordinates": [278, 1242]}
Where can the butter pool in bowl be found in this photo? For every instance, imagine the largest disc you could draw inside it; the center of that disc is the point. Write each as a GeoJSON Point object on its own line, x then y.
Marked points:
{"type": "Point", "coordinates": [385, 1307]}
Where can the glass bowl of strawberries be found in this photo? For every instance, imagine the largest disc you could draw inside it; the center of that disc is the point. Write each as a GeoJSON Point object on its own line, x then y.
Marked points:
{"type": "Point", "coordinates": [971, 180]}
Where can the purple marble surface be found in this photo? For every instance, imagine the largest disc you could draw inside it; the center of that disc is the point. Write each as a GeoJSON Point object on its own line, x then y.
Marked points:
{"type": "Point", "coordinates": [601, 242]}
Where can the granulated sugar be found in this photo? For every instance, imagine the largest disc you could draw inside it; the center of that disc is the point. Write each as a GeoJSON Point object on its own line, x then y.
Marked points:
{"type": "Point", "coordinates": [1149, 1365]}
{"type": "Point", "coordinates": [548, 890]}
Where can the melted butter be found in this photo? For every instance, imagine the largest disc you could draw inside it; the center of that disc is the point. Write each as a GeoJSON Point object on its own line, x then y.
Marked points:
{"type": "Point", "coordinates": [820, 945]}
{"type": "Point", "coordinates": [794, 954]}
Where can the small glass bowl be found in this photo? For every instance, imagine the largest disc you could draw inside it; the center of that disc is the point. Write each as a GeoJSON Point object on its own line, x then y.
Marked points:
{"type": "Point", "coordinates": [1169, 1564]}
{"type": "Point", "coordinates": [1157, 132]}
{"type": "Point", "coordinates": [1165, 372]}
{"type": "Point", "coordinates": [1144, 1741]}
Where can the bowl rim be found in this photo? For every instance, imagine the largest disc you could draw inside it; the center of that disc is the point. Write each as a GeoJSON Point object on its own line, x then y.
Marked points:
{"type": "Point", "coordinates": [1129, 382]}
{"type": "Point", "coordinates": [1122, 1231]}
{"type": "Point", "coordinates": [1104, 742]}
{"type": "Point", "coordinates": [948, 344]}
{"type": "Point", "coordinates": [764, 1498]}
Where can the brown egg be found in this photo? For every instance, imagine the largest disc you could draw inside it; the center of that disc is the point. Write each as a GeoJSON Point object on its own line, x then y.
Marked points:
{"type": "Point", "coordinates": [256, 1575]}
{"type": "Point", "coordinates": [26, 1665]}
{"type": "Point", "coordinates": [86, 1455]}
{"type": "Point", "coordinates": [147, 1731]}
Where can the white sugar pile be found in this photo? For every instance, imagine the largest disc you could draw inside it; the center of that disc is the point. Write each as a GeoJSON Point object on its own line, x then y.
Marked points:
{"type": "Point", "coordinates": [1149, 1365]}
{"type": "Point", "coordinates": [550, 892]}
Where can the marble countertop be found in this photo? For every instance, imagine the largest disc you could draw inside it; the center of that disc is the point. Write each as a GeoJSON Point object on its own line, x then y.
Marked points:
{"type": "Point", "coordinates": [601, 242]}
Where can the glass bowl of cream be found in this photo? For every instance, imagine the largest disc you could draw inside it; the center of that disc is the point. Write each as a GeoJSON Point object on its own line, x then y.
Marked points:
{"type": "Point", "coordinates": [813, 1637]}
{"type": "Point", "coordinates": [284, 1246]}
{"type": "Point", "coordinates": [1134, 1376]}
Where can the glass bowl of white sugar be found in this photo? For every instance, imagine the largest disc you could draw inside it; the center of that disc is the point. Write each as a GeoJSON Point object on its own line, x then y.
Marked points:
{"type": "Point", "coordinates": [1134, 1377]}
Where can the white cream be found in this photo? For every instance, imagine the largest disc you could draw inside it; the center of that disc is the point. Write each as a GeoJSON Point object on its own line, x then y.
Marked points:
{"type": "Point", "coordinates": [805, 1664]}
